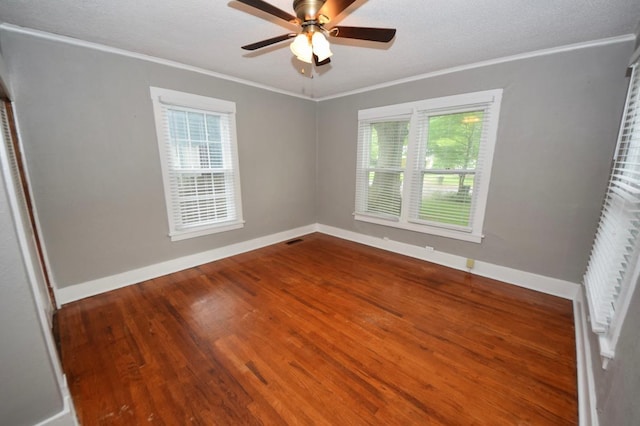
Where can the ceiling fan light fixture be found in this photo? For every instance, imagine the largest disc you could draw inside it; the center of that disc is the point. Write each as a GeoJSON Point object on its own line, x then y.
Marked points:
{"type": "Point", "coordinates": [301, 47]}
{"type": "Point", "coordinates": [310, 44]}
{"type": "Point", "coordinates": [321, 46]}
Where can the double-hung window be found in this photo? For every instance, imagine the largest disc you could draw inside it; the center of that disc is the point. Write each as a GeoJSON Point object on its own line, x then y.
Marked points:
{"type": "Point", "coordinates": [614, 266]}
{"type": "Point", "coordinates": [198, 152]}
{"type": "Point", "coordinates": [425, 166]}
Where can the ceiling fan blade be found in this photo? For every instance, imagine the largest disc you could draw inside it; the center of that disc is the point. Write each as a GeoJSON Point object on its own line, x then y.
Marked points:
{"type": "Point", "coordinates": [383, 35]}
{"type": "Point", "coordinates": [270, 9]}
{"type": "Point", "coordinates": [320, 63]}
{"type": "Point", "coordinates": [333, 8]}
{"type": "Point", "coordinates": [268, 42]}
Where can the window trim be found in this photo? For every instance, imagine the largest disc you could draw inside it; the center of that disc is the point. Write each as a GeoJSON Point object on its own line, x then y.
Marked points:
{"type": "Point", "coordinates": [601, 292]}
{"type": "Point", "coordinates": [161, 98]}
{"type": "Point", "coordinates": [490, 100]}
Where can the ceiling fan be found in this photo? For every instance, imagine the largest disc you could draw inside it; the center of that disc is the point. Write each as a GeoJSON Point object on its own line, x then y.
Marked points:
{"type": "Point", "coordinates": [310, 44]}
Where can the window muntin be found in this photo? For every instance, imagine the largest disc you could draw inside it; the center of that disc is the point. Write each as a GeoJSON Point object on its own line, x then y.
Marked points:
{"type": "Point", "coordinates": [425, 166]}
{"type": "Point", "coordinates": [199, 163]}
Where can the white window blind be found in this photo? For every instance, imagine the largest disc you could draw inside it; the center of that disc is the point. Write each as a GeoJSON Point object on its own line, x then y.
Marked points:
{"type": "Point", "coordinates": [12, 161]}
{"type": "Point", "coordinates": [425, 166]}
{"type": "Point", "coordinates": [449, 166]}
{"type": "Point", "coordinates": [383, 159]}
{"type": "Point", "coordinates": [613, 266]}
{"type": "Point", "coordinates": [196, 138]}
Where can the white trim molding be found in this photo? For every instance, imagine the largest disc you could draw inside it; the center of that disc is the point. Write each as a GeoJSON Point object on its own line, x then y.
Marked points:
{"type": "Point", "coordinates": [587, 396]}
{"type": "Point", "coordinates": [174, 64]}
{"type": "Point", "coordinates": [481, 64]}
{"type": "Point", "coordinates": [485, 105]}
{"type": "Point", "coordinates": [102, 285]}
{"type": "Point", "coordinates": [548, 285]}
{"type": "Point", "coordinates": [36, 279]}
{"type": "Point", "coordinates": [201, 217]}
{"type": "Point", "coordinates": [541, 283]}
{"type": "Point", "coordinates": [178, 65]}
{"type": "Point", "coordinates": [66, 417]}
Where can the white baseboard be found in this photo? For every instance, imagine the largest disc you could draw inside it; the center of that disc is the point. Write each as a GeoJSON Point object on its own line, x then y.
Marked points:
{"type": "Point", "coordinates": [541, 283]}
{"type": "Point", "coordinates": [587, 397]}
{"type": "Point", "coordinates": [63, 418]}
{"type": "Point", "coordinates": [548, 285]}
{"type": "Point", "coordinates": [66, 417]}
{"type": "Point", "coordinates": [113, 282]}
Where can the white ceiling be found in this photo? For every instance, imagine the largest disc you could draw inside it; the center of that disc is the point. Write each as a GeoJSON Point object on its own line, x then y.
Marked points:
{"type": "Point", "coordinates": [432, 34]}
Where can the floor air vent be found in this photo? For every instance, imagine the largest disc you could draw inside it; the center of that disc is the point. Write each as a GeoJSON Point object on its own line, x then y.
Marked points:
{"type": "Point", "coordinates": [297, 240]}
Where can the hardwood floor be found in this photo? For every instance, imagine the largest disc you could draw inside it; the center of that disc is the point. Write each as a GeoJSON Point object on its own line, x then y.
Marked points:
{"type": "Point", "coordinates": [322, 331]}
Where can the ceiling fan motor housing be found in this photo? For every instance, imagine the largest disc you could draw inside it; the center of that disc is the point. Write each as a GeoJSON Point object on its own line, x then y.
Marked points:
{"type": "Point", "coordinates": [307, 9]}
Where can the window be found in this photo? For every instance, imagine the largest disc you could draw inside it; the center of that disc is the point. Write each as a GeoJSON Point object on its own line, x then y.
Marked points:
{"type": "Point", "coordinates": [425, 166]}
{"type": "Point", "coordinates": [613, 268]}
{"type": "Point", "coordinates": [198, 152]}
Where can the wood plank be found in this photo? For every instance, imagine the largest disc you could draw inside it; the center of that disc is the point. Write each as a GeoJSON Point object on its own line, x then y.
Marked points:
{"type": "Point", "coordinates": [324, 331]}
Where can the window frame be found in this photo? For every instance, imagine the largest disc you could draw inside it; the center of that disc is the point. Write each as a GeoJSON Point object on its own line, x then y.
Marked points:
{"type": "Point", "coordinates": [490, 101]}
{"type": "Point", "coordinates": [163, 99]}
{"type": "Point", "coordinates": [613, 271]}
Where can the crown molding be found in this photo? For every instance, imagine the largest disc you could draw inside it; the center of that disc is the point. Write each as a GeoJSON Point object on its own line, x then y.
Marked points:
{"type": "Point", "coordinates": [117, 51]}
{"type": "Point", "coordinates": [104, 48]}
{"type": "Point", "coordinates": [512, 58]}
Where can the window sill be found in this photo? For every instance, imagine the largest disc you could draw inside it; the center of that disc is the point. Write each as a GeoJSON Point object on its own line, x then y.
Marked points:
{"type": "Point", "coordinates": [424, 229]}
{"type": "Point", "coordinates": [607, 353]}
{"type": "Point", "coordinates": [200, 231]}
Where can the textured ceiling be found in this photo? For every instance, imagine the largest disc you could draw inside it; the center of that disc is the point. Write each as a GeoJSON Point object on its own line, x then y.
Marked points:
{"type": "Point", "coordinates": [432, 34]}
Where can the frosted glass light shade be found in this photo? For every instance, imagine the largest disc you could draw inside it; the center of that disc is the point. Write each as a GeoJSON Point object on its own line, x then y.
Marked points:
{"type": "Point", "coordinates": [301, 47]}
{"type": "Point", "coordinates": [321, 47]}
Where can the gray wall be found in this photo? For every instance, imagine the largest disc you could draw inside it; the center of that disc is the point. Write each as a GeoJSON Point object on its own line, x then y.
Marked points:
{"type": "Point", "coordinates": [5, 90]}
{"type": "Point", "coordinates": [29, 390]}
{"type": "Point", "coordinates": [87, 127]}
{"type": "Point", "coordinates": [619, 385]}
{"type": "Point", "coordinates": [90, 143]}
{"type": "Point", "coordinates": [557, 133]}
